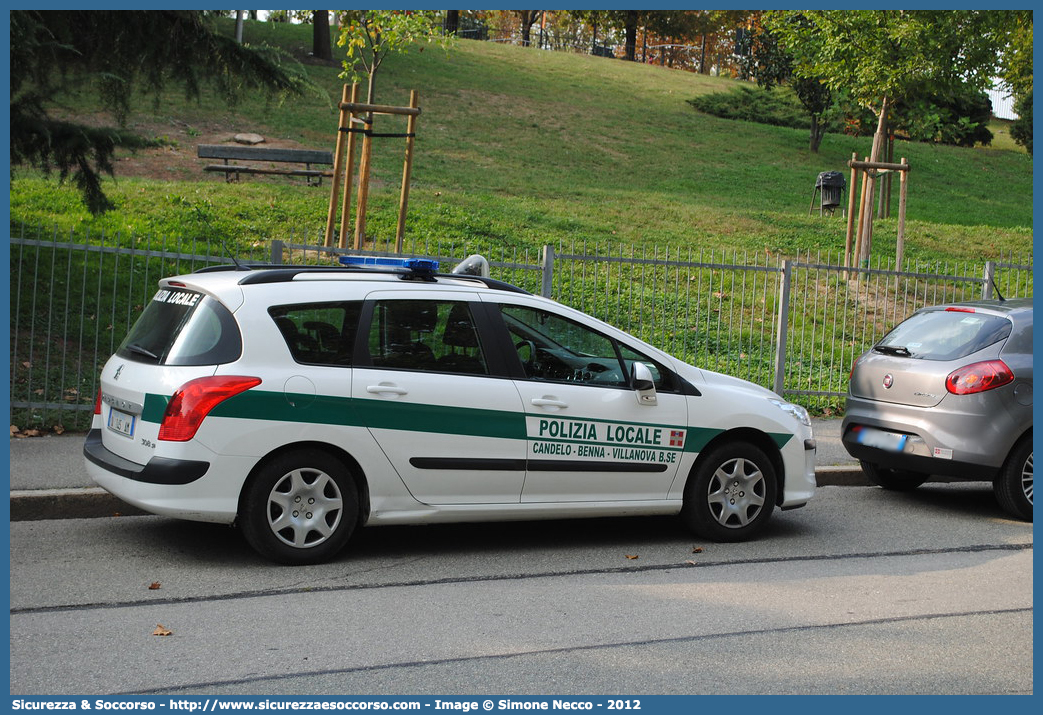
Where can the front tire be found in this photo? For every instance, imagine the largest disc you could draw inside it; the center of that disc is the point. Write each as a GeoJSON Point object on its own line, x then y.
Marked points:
{"type": "Point", "coordinates": [893, 480]}
{"type": "Point", "coordinates": [300, 508]}
{"type": "Point", "coordinates": [731, 494]}
{"type": "Point", "coordinates": [1013, 486]}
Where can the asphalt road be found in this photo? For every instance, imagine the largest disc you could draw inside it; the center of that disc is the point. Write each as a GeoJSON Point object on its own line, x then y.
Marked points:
{"type": "Point", "coordinates": [862, 591]}
{"type": "Point", "coordinates": [48, 480]}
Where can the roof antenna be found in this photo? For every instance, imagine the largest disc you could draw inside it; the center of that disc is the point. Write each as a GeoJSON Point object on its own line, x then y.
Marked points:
{"type": "Point", "coordinates": [238, 266]}
{"type": "Point", "coordinates": [997, 289]}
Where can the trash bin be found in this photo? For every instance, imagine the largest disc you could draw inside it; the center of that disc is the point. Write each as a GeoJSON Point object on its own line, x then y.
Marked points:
{"type": "Point", "coordinates": [832, 184]}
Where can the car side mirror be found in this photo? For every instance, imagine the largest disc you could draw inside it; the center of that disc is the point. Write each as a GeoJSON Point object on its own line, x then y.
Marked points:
{"type": "Point", "coordinates": [643, 383]}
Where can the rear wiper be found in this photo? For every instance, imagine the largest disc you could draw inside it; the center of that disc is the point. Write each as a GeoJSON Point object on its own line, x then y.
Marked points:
{"type": "Point", "coordinates": [135, 348]}
{"type": "Point", "coordinates": [900, 350]}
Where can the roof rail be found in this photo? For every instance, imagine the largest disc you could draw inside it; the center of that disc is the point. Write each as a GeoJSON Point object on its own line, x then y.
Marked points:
{"type": "Point", "coordinates": [260, 273]}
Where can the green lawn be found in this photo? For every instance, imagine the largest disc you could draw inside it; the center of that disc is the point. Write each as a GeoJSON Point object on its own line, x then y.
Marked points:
{"type": "Point", "coordinates": [520, 147]}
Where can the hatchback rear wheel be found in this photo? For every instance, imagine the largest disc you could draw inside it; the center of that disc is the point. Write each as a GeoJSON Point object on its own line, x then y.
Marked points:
{"type": "Point", "coordinates": [1013, 486]}
{"type": "Point", "coordinates": [301, 508]}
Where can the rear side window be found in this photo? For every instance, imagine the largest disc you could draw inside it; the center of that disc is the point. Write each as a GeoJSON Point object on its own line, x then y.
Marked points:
{"type": "Point", "coordinates": [944, 335]}
{"type": "Point", "coordinates": [182, 327]}
{"type": "Point", "coordinates": [319, 333]}
{"type": "Point", "coordinates": [429, 335]}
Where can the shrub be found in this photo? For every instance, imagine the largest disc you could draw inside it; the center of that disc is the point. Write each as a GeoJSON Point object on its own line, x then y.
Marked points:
{"type": "Point", "coordinates": [779, 107]}
{"type": "Point", "coordinates": [1021, 128]}
{"type": "Point", "coordinates": [961, 119]}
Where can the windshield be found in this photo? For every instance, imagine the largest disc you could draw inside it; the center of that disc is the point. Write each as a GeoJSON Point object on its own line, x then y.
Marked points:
{"type": "Point", "coordinates": [182, 327]}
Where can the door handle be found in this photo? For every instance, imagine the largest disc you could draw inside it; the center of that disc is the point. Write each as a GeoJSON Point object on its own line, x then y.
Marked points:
{"type": "Point", "coordinates": [386, 390]}
{"type": "Point", "coordinates": [548, 402]}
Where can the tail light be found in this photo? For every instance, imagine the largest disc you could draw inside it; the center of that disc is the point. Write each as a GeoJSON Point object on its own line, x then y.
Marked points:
{"type": "Point", "coordinates": [194, 400]}
{"type": "Point", "coordinates": [851, 372]}
{"type": "Point", "coordinates": [979, 377]}
{"type": "Point", "coordinates": [97, 403]}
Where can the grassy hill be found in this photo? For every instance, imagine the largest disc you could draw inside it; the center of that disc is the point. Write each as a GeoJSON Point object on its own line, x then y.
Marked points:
{"type": "Point", "coordinates": [518, 147]}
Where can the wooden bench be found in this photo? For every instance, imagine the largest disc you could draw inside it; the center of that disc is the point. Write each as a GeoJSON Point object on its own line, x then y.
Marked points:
{"type": "Point", "coordinates": [263, 155]}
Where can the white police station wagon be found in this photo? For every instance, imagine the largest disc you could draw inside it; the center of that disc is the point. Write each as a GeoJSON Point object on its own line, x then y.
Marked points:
{"type": "Point", "coordinates": [302, 403]}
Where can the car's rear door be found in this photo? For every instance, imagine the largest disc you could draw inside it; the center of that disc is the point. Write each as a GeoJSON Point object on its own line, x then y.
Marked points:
{"type": "Point", "coordinates": [430, 392]}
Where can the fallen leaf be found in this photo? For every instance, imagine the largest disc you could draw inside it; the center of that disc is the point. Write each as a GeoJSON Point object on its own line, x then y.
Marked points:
{"type": "Point", "coordinates": [14, 430]}
{"type": "Point", "coordinates": [154, 586]}
{"type": "Point", "coordinates": [59, 429]}
{"type": "Point", "coordinates": [162, 630]}
{"type": "Point", "coordinates": [631, 557]}
{"type": "Point", "coordinates": [697, 549]}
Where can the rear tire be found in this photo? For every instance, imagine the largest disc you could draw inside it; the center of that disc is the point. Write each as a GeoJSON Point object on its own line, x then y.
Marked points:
{"type": "Point", "coordinates": [1013, 486]}
{"type": "Point", "coordinates": [731, 494]}
{"type": "Point", "coordinates": [300, 508]}
{"type": "Point", "coordinates": [894, 480]}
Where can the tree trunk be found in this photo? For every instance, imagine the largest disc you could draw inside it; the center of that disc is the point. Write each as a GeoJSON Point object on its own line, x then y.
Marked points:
{"type": "Point", "coordinates": [239, 27]}
{"type": "Point", "coordinates": [878, 144]}
{"type": "Point", "coordinates": [320, 35]}
{"type": "Point", "coordinates": [371, 87]}
{"type": "Point", "coordinates": [881, 129]}
{"type": "Point", "coordinates": [631, 36]}
{"type": "Point", "coordinates": [452, 21]}
{"type": "Point", "coordinates": [818, 129]}
{"type": "Point", "coordinates": [527, 18]}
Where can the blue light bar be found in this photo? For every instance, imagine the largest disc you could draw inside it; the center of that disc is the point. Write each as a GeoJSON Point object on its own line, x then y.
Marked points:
{"type": "Point", "coordinates": [417, 265]}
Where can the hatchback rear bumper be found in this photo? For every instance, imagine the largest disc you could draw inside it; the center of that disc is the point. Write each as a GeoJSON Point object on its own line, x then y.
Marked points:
{"type": "Point", "coordinates": [915, 462]}
{"type": "Point", "coordinates": [158, 470]}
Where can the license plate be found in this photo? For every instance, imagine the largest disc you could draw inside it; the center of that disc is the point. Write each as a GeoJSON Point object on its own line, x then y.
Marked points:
{"type": "Point", "coordinates": [888, 441]}
{"type": "Point", "coordinates": [121, 423]}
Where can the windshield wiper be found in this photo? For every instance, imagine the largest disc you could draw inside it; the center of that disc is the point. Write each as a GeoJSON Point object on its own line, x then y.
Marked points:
{"type": "Point", "coordinates": [899, 350]}
{"type": "Point", "coordinates": [135, 348]}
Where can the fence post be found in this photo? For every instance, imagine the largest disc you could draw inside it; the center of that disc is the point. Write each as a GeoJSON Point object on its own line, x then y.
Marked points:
{"type": "Point", "coordinates": [783, 326]}
{"type": "Point", "coordinates": [547, 284]}
{"type": "Point", "coordinates": [277, 248]}
{"type": "Point", "coordinates": [988, 280]}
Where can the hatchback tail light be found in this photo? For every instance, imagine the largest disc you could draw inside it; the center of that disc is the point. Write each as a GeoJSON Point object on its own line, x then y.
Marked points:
{"type": "Point", "coordinates": [194, 400]}
{"type": "Point", "coordinates": [979, 377]}
{"type": "Point", "coordinates": [97, 403]}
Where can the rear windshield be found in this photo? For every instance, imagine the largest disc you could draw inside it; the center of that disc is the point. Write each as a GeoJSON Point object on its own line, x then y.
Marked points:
{"type": "Point", "coordinates": [944, 335]}
{"type": "Point", "coordinates": [182, 327]}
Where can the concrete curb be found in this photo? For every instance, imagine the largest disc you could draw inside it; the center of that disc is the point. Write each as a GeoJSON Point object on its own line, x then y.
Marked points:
{"type": "Point", "coordinates": [843, 476]}
{"type": "Point", "coordinates": [86, 503]}
{"type": "Point", "coordinates": [94, 502]}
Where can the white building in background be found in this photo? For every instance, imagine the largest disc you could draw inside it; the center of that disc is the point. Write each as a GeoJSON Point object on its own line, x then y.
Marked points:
{"type": "Point", "coordinates": [1002, 102]}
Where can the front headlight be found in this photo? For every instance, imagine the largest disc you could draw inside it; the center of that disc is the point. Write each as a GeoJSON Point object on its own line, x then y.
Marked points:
{"type": "Point", "coordinates": [796, 411]}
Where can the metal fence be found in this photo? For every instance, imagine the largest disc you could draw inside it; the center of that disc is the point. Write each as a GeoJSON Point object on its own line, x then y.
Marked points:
{"type": "Point", "coordinates": [792, 325]}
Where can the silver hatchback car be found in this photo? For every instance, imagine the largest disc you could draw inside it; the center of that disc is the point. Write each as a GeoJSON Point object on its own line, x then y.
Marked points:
{"type": "Point", "coordinates": [948, 392]}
